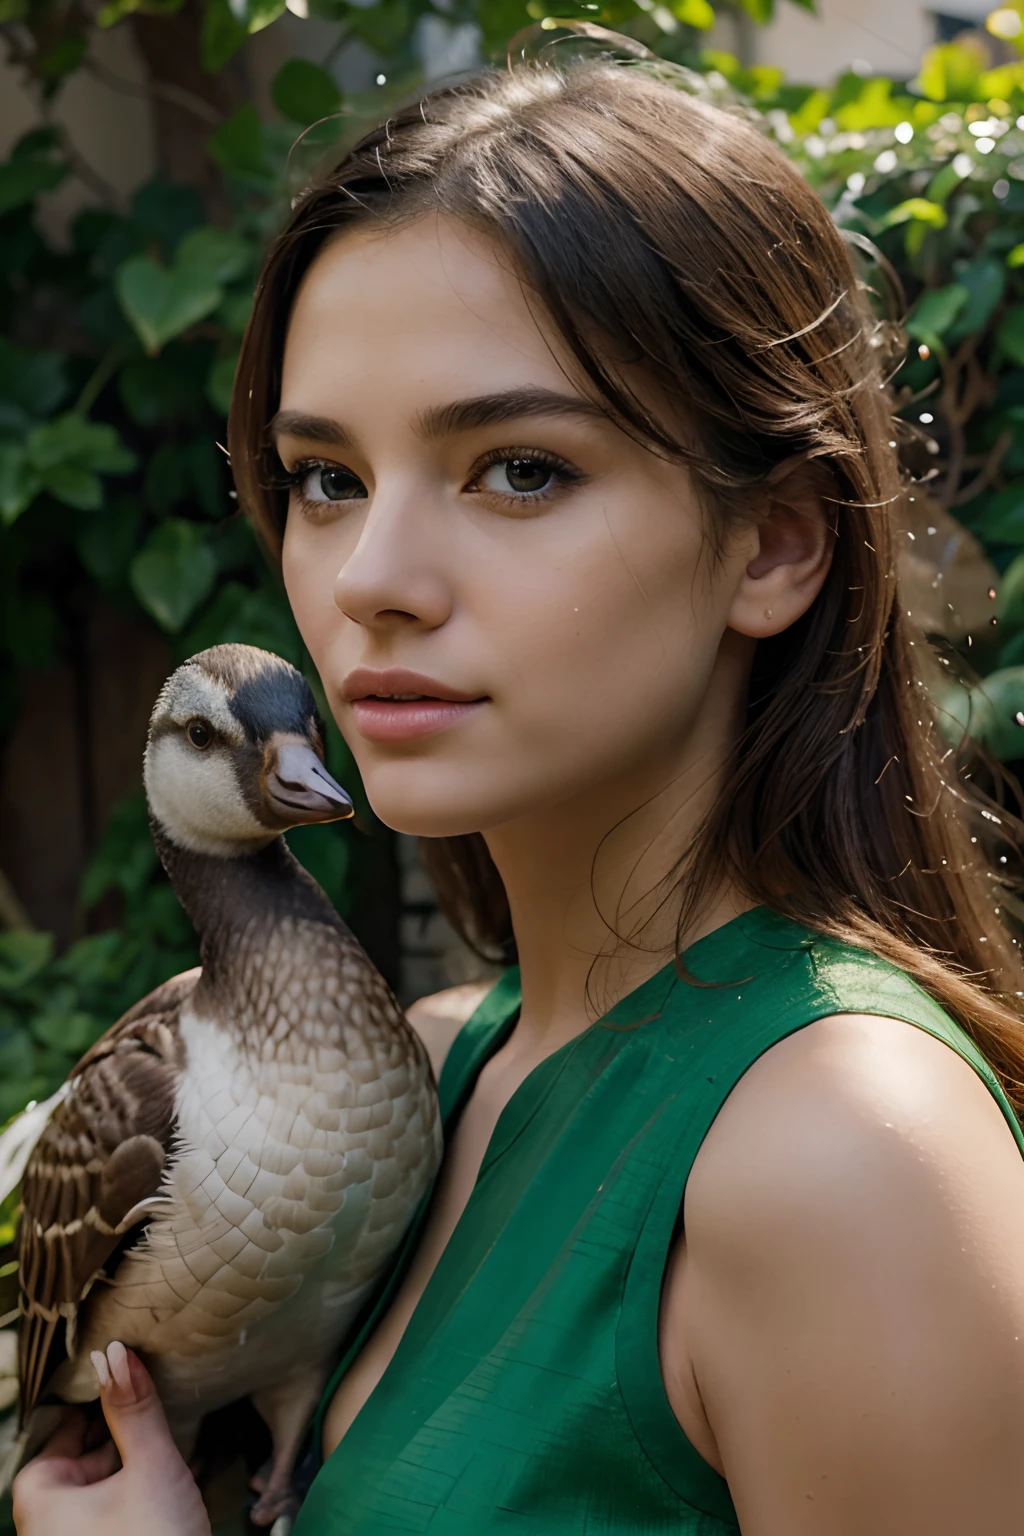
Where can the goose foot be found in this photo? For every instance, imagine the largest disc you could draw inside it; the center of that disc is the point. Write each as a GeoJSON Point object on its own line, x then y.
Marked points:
{"type": "Point", "coordinates": [286, 1408]}
{"type": "Point", "coordinates": [276, 1506]}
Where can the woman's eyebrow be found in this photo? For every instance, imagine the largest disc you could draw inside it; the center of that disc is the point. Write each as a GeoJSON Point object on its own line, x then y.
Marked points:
{"type": "Point", "coordinates": [445, 420]}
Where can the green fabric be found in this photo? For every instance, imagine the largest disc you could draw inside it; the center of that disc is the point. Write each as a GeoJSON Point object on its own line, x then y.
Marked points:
{"type": "Point", "coordinates": [526, 1394]}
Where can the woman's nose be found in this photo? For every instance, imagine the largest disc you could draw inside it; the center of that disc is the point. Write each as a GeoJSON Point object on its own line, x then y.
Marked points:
{"type": "Point", "coordinates": [394, 575]}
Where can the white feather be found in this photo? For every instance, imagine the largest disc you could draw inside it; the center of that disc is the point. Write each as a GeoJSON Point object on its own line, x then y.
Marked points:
{"type": "Point", "coordinates": [18, 1141]}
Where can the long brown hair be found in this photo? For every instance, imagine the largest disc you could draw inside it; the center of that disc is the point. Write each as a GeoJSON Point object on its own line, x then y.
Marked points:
{"type": "Point", "coordinates": [656, 228]}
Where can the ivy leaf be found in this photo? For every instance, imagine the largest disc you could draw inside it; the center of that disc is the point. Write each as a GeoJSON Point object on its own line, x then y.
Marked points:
{"type": "Point", "coordinates": [1010, 334]}
{"type": "Point", "coordinates": [220, 381]}
{"type": "Point", "coordinates": [951, 71]}
{"type": "Point", "coordinates": [1010, 607]}
{"type": "Point", "coordinates": [218, 255]}
{"type": "Point", "coordinates": [174, 573]}
{"type": "Point", "coordinates": [22, 956]}
{"type": "Point", "coordinates": [1002, 696]}
{"type": "Point", "coordinates": [72, 1032]}
{"type": "Point", "coordinates": [920, 209]}
{"type": "Point", "coordinates": [75, 486]}
{"type": "Point", "coordinates": [30, 170]}
{"type": "Point", "coordinates": [72, 439]}
{"type": "Point", "coordinates": [305, 92]}
{"type": "Point", "coordinates": [985, 280]}
{"type": "Point", "coordinates": [20, 484]}
{"type": "Point", "coordinates": [32, 384]}
{"type": "Point", "coordinates": [1002, 521]}
{"type": "Point", "coordinates": [65, 456]}
{"type": "Point", "coordinates": [161, 303]}
{"type": "Point", "coordinates": [239, 148]}
{"type": "Point", "coordinates": [222, 36]}
{"type": "Point", "coordinates": [934, 313]}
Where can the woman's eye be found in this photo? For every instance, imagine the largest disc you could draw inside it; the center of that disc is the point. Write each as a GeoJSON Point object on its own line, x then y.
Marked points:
{"type": "Point", "coordinates": [330, 482]}
{"type": "Point", "coordinates": [522, 476]}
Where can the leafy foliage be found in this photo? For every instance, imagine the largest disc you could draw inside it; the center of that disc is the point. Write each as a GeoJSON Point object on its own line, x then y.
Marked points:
{"type": "Point", "coordinates": [123, 343]}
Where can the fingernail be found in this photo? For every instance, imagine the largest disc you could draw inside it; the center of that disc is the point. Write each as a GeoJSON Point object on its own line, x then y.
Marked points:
{"type": "Point", "coordinates": [99, 1365]}
{"type": "Point", "coordinates": [117, 1357]}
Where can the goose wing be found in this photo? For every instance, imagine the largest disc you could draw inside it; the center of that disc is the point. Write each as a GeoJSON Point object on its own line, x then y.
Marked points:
{"type": "Point", "coordinates": [88, 1181]}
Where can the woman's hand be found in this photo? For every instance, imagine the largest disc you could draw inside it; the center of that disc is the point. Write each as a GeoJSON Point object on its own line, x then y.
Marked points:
{"type": "Point", "coordinates": [136, 1482]}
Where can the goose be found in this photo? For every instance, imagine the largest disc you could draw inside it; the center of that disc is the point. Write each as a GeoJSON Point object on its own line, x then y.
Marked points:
{"type": "Point", "coordinates": [227, 1171]}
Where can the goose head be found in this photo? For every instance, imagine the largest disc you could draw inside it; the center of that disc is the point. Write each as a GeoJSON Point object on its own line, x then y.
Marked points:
{"type": "Point", "coordinates": [234, 754]}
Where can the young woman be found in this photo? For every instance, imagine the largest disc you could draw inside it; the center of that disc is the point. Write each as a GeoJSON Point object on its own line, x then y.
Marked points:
{"type": "Point", "coordinates": [563, 407]}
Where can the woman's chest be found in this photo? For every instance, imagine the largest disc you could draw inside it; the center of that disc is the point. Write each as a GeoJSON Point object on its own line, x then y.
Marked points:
{"type": "Point", "coordinates": [458, 1174]}
{"type": "Point", "coordinates": [456, 1182]}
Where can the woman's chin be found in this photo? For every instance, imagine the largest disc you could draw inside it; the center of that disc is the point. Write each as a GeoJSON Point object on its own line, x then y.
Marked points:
{"type": "Point", "coordinates": [433, 818]}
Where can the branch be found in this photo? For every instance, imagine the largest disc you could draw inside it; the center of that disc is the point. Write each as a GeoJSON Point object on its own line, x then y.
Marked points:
{"type": "Point", "coordinates": [989, 469]}
{"type": "Point", "coordinates": [164, 90]}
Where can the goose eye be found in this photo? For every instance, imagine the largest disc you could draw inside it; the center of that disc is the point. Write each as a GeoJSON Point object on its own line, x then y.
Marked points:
{"type": "Point", "coordinates": [199, 734]}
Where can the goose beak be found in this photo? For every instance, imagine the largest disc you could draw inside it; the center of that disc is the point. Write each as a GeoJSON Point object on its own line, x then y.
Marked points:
{"type": "Point", "coordinates": [297, 787]}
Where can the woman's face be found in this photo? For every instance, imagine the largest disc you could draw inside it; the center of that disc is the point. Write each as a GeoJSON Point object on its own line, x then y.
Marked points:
{"type": "Point", "coordinates": [463, 512]}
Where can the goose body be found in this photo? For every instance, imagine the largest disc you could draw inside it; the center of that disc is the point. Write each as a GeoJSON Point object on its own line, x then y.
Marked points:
{"type": "Point", "coordinates": [230, 1167]}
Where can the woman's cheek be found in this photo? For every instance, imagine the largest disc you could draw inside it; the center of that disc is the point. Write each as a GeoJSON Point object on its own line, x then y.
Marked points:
{"type": "Point", "coordinates": [309, 587]}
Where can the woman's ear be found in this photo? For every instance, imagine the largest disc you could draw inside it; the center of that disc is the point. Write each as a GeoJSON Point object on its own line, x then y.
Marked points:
{"type": "Point", "coordinates": [795, 537]}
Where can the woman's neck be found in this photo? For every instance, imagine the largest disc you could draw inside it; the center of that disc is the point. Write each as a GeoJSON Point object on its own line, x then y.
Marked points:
{"type": "Point", "coordinates": [608, 857]}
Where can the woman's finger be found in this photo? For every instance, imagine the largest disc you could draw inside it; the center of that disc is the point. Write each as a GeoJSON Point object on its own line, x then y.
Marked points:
{"type": "Point", "coordinates": [96, 1465]}
{"type": "Point", "coordinates": [131, 1407]}
{"type": "Point", "coordinates": [67, 1439]}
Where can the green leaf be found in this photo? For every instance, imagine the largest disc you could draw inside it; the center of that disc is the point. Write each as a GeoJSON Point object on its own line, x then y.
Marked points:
{"type": "Point", "coordinates": [1003, 722]}
{"type": "Point", "coordinates": [17, 1059]}
{"type": "Point", "coordinates": [22, 956]}
{"type": "Point", "coordinates": [174, 573]}
{"type": "Point", "coordinates": [872, 107]}
{"type": "Point", "coordinates": [1002, 521]}
{"type": "Point", "coordinates": [1015, 258]}
{"type": "Point", "coordinates": [952, 71]}
{"type": "Point", "coordinates": [943, 183]}
{"type": "Point", "coordinates": [108, 540]}
{"type": "Point", "coordinates": [920, 209]}
{"type": "Point", "coordinates": [934, 312]}
{"type": "Point", "coordinates": [693, 13]}
{"type": "Point", "coordinates": [239, 148]}
{"type": "Point", "coordinates": [164, 212]}
{"type": "Point", "coordinates": [220, 382]}
{"type": "Point", "coordinates": [1010, 603]}
{"type": "Point", "coordinates": [75, 486]}
{"type": "Point", "coordinates": [985, 281]}
{"type": "Point", "coordinates": [70, 439]}
{"type": "Point", "coordinates": [385, 28]}
{"type": "Point", "coordinates": [1010, 334]}
{"type": "Point", "coordinates": [305, 92]}
{"type": "Point", "coordinates": [222, 36]}
{"type": "Point", "coordinates": [20, 483]}
{"type": "Point", "coordinates": [71, 1032]}
{"type": "Point", "coordinates": [216, 255]}
{"type": "Point", "coordinates": [21, 183]}
{"type": "Point", "coordinates": [161, 304]}
{"type": "Point", "coordinates": [234, 313]}
{"type": "Point", "coordinates": [159, 390]}
{"type": "Point", "coordinates": [34, 382]}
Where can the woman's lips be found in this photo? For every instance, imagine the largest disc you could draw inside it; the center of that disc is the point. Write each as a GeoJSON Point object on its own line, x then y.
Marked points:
{"type": "Point", "coordinates": [405, 719]}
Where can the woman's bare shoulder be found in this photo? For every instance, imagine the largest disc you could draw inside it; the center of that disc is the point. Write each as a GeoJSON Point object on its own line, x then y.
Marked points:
{"type": "Point", "coordinates": [854, 1285]}
{"type": "Point", "coordinates": [438, 1017]}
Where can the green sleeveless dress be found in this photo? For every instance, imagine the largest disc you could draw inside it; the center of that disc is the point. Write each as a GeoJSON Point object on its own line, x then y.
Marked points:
{"type": "Point", "coordinates": [526, 1395]}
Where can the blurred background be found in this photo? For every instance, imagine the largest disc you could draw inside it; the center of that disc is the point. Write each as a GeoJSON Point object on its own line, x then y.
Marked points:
{"type": "Point", "coordinates": [148, 150]}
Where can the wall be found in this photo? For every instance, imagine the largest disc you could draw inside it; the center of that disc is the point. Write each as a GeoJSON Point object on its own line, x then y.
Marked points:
{"type": "Point", "coordinates": [875, 36]}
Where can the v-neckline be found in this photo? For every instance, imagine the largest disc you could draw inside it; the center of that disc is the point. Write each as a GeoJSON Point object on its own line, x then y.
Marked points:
{"type": "Point", "coordinates": [458, 1080]}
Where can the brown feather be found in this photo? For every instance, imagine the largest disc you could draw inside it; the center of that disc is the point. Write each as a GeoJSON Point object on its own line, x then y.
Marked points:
{"type": "Point", "coordinates": [102, 1153]}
